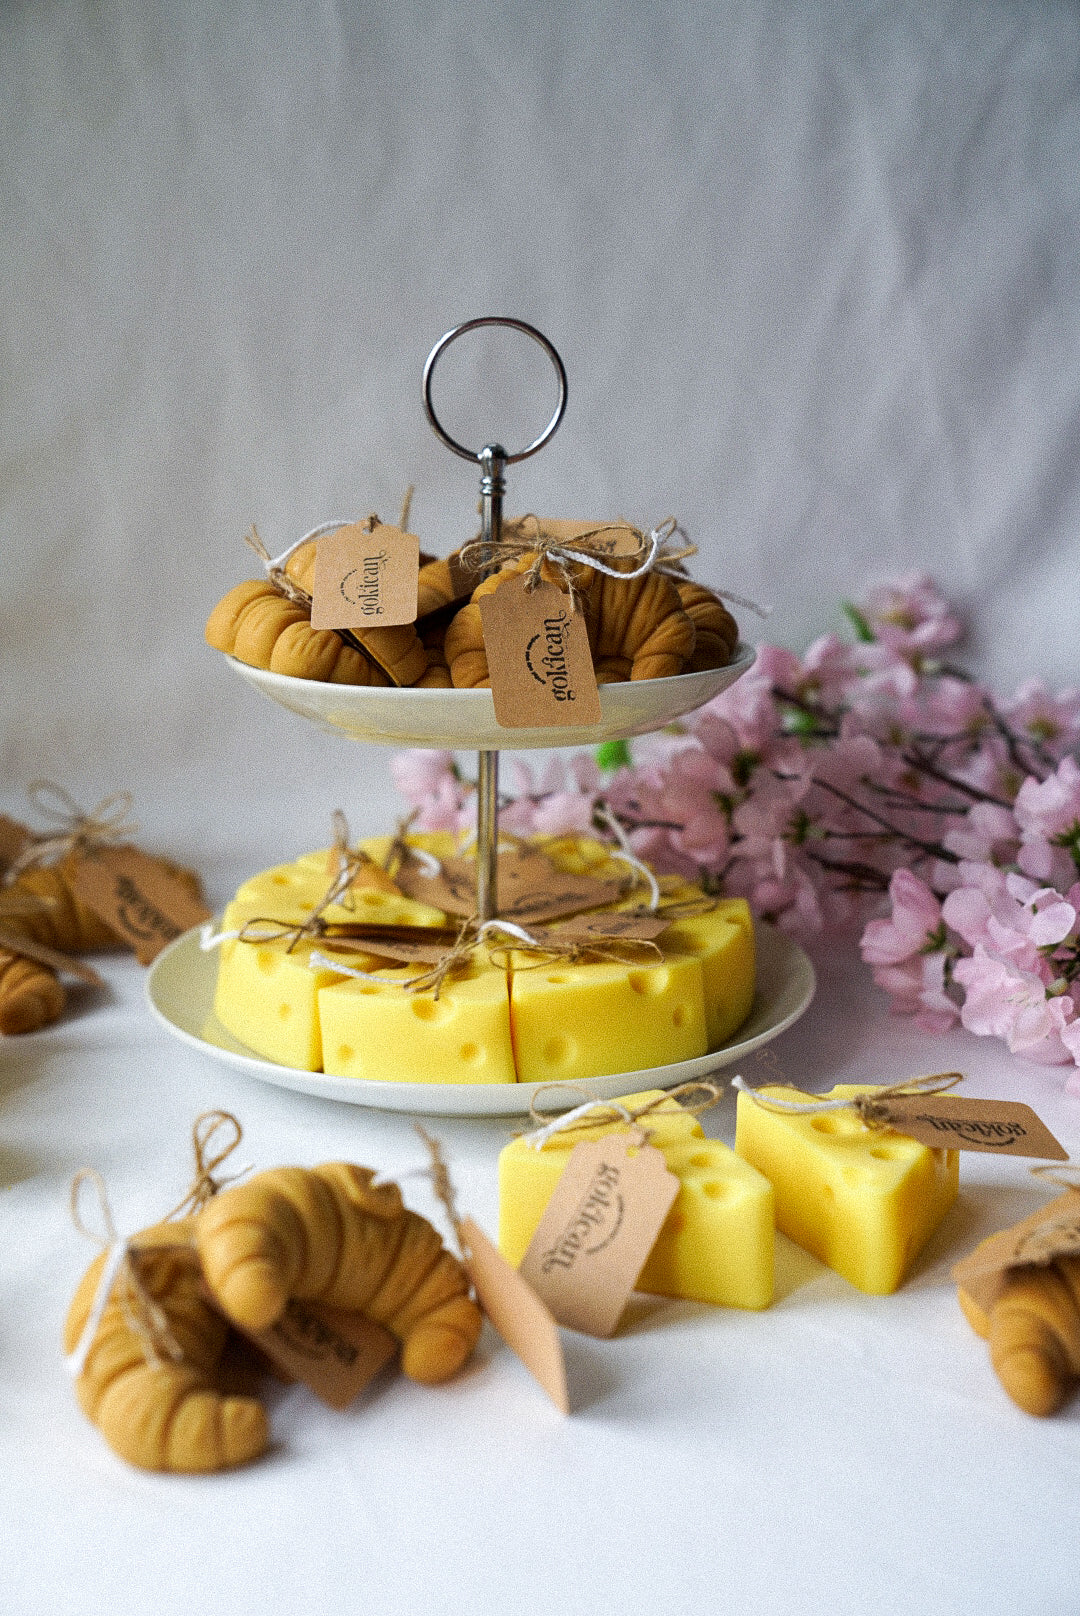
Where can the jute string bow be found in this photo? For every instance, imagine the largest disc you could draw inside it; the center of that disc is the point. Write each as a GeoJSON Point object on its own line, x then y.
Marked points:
{"type": "Point", "coordinates": [144, 1315]}
{"type": "Point", "coordinates": [275, 565]}
{"type": "Point", "coordinates": [77, 832]}
{"type": "Point", "coordinates": [872, 1109]}
{"type": "Point", "coordinates": [696, 1097]}
{"type": "Point", "coordinates": [567, 557]}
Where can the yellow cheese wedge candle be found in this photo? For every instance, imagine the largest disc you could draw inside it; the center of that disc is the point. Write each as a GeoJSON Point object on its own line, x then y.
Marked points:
{"type": "Point", "coordinates": [723, 940]}
{"type": "Point", "coordinates": [576, 1021]}
{"type": "Point", "coordinates": [378, 1030]}
{"type": "Point", "coordinates": [864, 1200]}
{"type": "Point", "coordinates": [716, 1244]}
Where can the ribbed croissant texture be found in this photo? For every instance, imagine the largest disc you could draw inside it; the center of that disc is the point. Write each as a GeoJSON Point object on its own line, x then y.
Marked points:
{"type": "Point", "coordinates": [256, 624]}
{"type": "Point", "coordinates": [165, 1415]}
{"type": "Point", "coordinates": [1033, 1329]}
{"type": "Point", "coordinates": [398, 649]}
{"type": "Point", "coordinates": [637, 627]}
{"type": "Point", "coordinates": [326, 1234]}
{"type": "Point", "coordinates": [31, 995]}
{"type": "Point", "coordinates": [717, 630]}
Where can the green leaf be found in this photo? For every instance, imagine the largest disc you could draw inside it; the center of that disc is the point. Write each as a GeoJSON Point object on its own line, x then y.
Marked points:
{"type": "Point", "coordinates": [862, 628]}
{"type": "Point", "coordinates": [611, 755]}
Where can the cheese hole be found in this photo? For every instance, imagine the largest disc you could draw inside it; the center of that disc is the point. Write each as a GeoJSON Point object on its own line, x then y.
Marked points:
{"type": "Point", "coordinates": [373, 900]}
{"type": "Point", "coordinates": [649, 983]}
{"type": "Point", "coordinates": [471, 1053]}
{"type": "Point", "coordinates": [558, 1050]}
{"type": "Point", "coordinates": [557, 981]}
{"type": "Point", "coordinates": [836, 1124]}
{"type": "Point", "coordinates": [429, 1010]}
{"type": "Point", "coordinates": [678, 1016]}
{"type": "Point", "coordinates": [701, 1160]}
{"type": "Point", "coordinates": [266, 960]}
{"type": "Point", "coordinates": [892, 1152]}
{"type": "Point", "coordinates": [280, 881]}
{"type": "Point", "coordinates": [345, 1054]}
{"type": "Point", "coordinates": [284, 1011]}
{"type": "Point", "coordinates": [714, 1189]}
{"type": "Point", "coordinates": [366, 987]}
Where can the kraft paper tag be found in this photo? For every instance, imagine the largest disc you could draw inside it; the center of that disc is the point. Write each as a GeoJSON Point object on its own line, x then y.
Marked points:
{"type": "Point", "coordinates": [139, 897]}
{"type": "Point", "coordinates": [27, 948]}
{"type": "Point", "coordinates": [401, 950]}
{"type": "Point", "coordinates": [538, 657]}
{"type": "Point", "coordinates": [1053, 1231]}
{"type": "Point", "coordinates": [334, 1352]}
{"type": "Point", "coordinates": [597, 1230]}
{"type": "Point", "coordinates": [517, 1313]}
{"type": "Point", "coordinates": [1000, 1127]}
{"type": "Point", "coordinates": [634, 927]}
{"type": "Point", "coordinates": [463, 579]}
{"type": "Point", "coordinates": [368, 877]}
{"type": "Point", "coordinates": [13, 838]}
{"type": "Point", "coordinates": [530, 887]}
{"type": "Point", "coordinates": [365, 577]}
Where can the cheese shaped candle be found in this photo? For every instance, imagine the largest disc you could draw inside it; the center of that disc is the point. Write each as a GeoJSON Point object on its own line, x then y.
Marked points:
{"type": "Point", "coordinates": [576, 1021]}
{"type": "Point", "coordinates": [267, 995]}
{"type": "Point", "coordinates": [716, 1244]}
{"type": "Point", "coordinates": [723, 940]}
{"type": "Point", "coordinates": [378, 1030]}
{"type": "Point", "coordinates": [863, 1200]}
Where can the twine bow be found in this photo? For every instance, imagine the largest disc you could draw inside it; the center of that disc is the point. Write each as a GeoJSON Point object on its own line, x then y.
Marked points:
{"type": "Point", "coordinates": [872, 1109]}
{"type": "Point", "coordinates": [602, 1113]}
{"type": "Point", "coordinates": [567, 557]}
{"type": "Point", "coordinates": [78, 832]}
{"type": "Point", "coordinates": [145, 1316]}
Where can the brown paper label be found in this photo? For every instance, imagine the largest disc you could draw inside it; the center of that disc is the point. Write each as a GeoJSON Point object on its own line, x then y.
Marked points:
{"type": "Point", "coordinates": [517, 1313]}
{"type": "Point", "coordinates": [139, 897]}
{"type": "Point", "coordinates": [529, 887]}
{"type": "Point", "coordinates": [1001, 1127]}
{"type": "Point", "coordinates": [539, 658]}
{"type": "Point", "coordinates": [27, 948]}
{"type": "Point", "coordinates": [402, 951]}
{"type": "Point", "coordinates": [336, 1353]}
{"type": "Point", "coordinates": [597, 1230]}
{"type": "Point", "coordinates": [365, 578]}
{"type": "Point", "coordinates": [634, 927]}
{"type": "Point", "coordinates": [1053, 1231]}
{"type": "Point", "coordinates": [13, 838]}
{"type": "Point", "coordinates": [463, 580]}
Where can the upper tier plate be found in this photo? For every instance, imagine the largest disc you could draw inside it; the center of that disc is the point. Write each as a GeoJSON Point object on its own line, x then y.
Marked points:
{"type": "Point", "coordinates": [464, 720]}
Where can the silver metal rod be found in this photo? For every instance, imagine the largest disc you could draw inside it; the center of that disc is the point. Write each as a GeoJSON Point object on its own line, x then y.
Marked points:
{"type": "Point", "coordinates": [487, 835]}
{"type": "Point", "coordinates": [492, 489]}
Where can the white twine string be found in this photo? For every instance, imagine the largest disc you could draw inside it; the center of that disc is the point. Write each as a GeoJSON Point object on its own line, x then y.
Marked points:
{"type": "Point", "coordinates": [772, 1103]}
{"type": "Point", "coordinates": [116, 1251]}
{"type": "Point", "coordinates": [540, 1136]}
{"type": "Point", "coordinates": [210, 939]}
{"type": "Point", "coordinates": [278, 564]}
{"type": "Point", "coordinates": [322, 962]}
{"type": "Point", "coordinates": [626, 853]}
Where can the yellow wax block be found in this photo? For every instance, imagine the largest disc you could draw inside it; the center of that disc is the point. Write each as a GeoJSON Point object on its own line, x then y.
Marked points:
{"type": "Point", "coordinates": [575, 1021]}
{"type": "Point", "coordinates": [584, 855]}
{"type": "Point", "coordinates": [863, 1200]}
{"type": "Point", "coordinates": [304, 883]}
{"type": "Point", "coordinates": [267, 996]}
{"type": "Point", "coordinates": [440, 843]}
{"type": "Point", "coordinates": [723, 940]}
{"type": "Point", "coordinates": [377, 1030]}
{"type": "Point", "coordinates": [716, 1244]}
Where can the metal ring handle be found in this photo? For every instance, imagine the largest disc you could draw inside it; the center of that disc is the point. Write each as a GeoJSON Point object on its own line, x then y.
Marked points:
{"type": "Point", "coordinates": [474, 325]}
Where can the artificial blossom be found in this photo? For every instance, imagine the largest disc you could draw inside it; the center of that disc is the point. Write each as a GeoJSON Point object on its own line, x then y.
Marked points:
{"type": "Point", "coordinates": [871, 783]}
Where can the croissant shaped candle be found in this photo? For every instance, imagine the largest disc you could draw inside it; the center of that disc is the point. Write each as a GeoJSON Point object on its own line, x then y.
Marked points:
{"type": "Point", "coordinates": [329, 1234]}
{"type": "Point", "coordinates": [1033, 1331]}
{"type": "Point", "coordinates": [154, 1412]}
{"type": "Point", "coordinates": [31, 995]}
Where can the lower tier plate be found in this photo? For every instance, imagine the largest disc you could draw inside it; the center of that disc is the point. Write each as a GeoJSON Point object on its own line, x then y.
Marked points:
{"type": "Point", "coordinates": [180, 992]}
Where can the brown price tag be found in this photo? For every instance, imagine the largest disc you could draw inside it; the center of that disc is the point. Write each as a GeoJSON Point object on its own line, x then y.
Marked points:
{"type": "Point", "coordinates": [336, 1353]}
{"type": "Point", "coordinates": [144, 902]}
{"type": "Point", "coordinates": [517, 1313]}
{"type": "Point", "coordinates": [530, 887]}
{"type": "Point", "coordinates": [539, 659]}
{"type": "Point", "coordinates": [1053, 1231]}
{"type": "Point", "coordinates": [463, 580]}
{"type": "Point", "coordinates": [635, 928]}
{"type": "Point", "coordinates": [597, 1230]}
{"type": "Point", "coordinates": [1000, 1127]}
{"type": "Point", "coordinates": [365, 578]}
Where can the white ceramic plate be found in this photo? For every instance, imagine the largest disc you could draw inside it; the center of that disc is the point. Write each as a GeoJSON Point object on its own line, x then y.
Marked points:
{"type": "Point", "coordinates": [180, 990]}
{"type": "Point", "coordinates": [465, 719]}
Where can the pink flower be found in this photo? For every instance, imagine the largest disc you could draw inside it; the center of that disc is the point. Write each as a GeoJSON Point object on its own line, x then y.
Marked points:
{"type": "Point", "coordinates": [911, 615]}
{"type": "Point", "coordinates": [915, 919]}
{"type": "Point", "coordinates": [988, 833]}
{"type": "Point", "coordinates": [1048, 814]}
{"type": "Point", "coordinates": [1001, 1001]}
{"type": "Point", "coordinates": [1046, 720]}
{"type": "Point", "coordinates": [917, 988]}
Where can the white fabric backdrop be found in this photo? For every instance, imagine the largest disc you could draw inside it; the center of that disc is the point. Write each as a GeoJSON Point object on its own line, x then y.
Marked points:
{"type": "Point", "coordinates": [813, 270]}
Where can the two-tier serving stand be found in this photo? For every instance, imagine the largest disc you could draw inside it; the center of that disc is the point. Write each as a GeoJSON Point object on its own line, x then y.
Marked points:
{"type": "Point", "coordinates": [459, 720]}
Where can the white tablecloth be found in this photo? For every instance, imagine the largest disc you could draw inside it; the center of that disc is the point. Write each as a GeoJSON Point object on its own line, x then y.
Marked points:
{"type": "Point", "coordinates": [838, 1453]}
